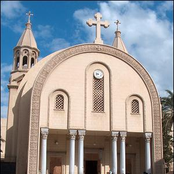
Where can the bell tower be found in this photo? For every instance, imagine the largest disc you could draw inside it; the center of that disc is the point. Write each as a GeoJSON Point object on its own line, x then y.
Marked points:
{"type": "Point", "coordinates": [25, 56]}
{"type": "Point", "coordinates": [26, 51]}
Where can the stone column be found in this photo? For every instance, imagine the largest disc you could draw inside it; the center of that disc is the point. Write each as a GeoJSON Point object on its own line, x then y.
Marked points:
{"type": "Point", "coordinates": [44, 134]}
{"type": "Point", "coordinates": [29, 59]}
{"type": "Point", "coordinates": [123, 153]}
{"type": "Point", "coordinates": [114, 152]}
{"type": "Point", "coordinates": [147, 153]}
{"type": "Point", "coordinates": [81, 152]}
{"type": "Point", "coordinates": [73, 134]}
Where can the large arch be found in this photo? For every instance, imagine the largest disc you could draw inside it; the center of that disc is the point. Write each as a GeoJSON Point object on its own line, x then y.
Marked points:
{"type": "Point", "coordinates": [33, 148]}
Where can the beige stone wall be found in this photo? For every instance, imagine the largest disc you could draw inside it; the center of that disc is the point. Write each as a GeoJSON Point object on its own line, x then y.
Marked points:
{"type": "Point", "coordinates": [3, 136]}
{"type": "Point", "coordinates": [73, 76]}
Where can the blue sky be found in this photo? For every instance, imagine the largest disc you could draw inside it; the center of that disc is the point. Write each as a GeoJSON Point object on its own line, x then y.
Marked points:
{"type": "Point", "coordinates": [146, 26]}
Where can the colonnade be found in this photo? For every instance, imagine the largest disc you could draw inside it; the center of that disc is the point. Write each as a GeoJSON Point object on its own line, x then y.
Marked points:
{"type": "Point", "coordinates": [81, 134]}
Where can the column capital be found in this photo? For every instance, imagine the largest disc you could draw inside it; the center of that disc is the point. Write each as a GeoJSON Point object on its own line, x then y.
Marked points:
{"type": "Point", "coordinates": [123, 135]}
{"type": "Point", "coordinates": [44, 132]}
{"type": "Point", "coordinates": [148, 136]}
{"type": "Point", "coordinates": [73, 134]}
{"type": "Point", "coordinates": [114, 134]}
{"type": "Point", "coordinates": [81, 132]}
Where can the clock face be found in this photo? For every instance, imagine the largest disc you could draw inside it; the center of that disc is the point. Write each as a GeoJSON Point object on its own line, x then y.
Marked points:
{"type": "Point", "coordinates": [98, 74]}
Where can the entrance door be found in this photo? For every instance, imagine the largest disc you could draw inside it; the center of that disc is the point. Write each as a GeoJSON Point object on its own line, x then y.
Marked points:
{"type": "Point", "coordinates": [91, 167]}
{"type": "Point", "coordinates": [55, 165]}
{"type": "Point", "coordinates": [128, 166]}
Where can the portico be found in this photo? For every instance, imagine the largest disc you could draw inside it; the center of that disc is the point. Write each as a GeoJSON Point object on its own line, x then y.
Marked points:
{"type": "Point", "coordinates": [105, 153]}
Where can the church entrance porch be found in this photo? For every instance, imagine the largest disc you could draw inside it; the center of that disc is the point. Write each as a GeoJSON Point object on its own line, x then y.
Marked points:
{"type": "Point", "coordinates": [94, 152]}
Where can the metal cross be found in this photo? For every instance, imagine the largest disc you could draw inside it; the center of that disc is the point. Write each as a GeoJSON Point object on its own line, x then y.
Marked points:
{"type": "Point", "coordinates": [117, 23]}
{"type": "Point", "coordinates": [98, 23]}
{"type": "Point", "coordinates": [29, 14]}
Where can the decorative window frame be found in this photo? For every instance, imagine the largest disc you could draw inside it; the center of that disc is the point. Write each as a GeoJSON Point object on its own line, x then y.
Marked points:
{"type": "Point", "coordinates": [98, 107]}
{"type": "Point", "coordinates": [63, 103]}
{"type": "Point", "coordinates": [129, 105]}
{"type": "Point", "coordinates": [89, 73]}
{"type": "Point", "coordinates": [52, 98]}
{"type": "Point", "coordinates": [138, 105]}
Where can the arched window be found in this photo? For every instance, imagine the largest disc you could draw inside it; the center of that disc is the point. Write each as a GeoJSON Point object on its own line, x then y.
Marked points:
{"type": "Point", "coordinates": [24, 64]}
{"type": "Point", "coordinates": [135, 107]}
{"type": "Point", "coordinates": [59, 103]}
{"type": "Point", "coordinates": [25, 52]}
{"type": "Point", "coordinates": [34, 54]}
{"type": "Point", "coordinates": [17, 63]}
{"type": "Point", "coordinates": [98, 94]}
{"type": "Point", "coordinates": [32, 61]}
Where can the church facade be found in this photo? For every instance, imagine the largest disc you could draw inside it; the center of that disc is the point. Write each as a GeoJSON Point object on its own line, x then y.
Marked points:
{"type": "Point", "coordinates": [90, 108]}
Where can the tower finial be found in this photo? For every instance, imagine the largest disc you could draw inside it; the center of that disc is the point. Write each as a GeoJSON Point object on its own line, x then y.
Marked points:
{"type": "Point", "coordinates": [117, 23]}
{"type": "Point", "coordinates": [29, 14]}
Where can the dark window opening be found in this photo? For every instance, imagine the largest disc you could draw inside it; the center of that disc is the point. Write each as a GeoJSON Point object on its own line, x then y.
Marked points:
{"type": "Point", "coordinates": [24, 64]}
{"type": "Point", "coordinates": [32, 62]}
{"type": "Point", "coordinates": [17, 63]}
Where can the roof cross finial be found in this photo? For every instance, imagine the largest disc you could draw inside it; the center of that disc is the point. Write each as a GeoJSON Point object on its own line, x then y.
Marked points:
{"type": "Point", "coordinates": [29, 14]}
{"type": "Point", "coordinates": [98, 23]}
{"type": "Point", "coordinates": [117, 23]}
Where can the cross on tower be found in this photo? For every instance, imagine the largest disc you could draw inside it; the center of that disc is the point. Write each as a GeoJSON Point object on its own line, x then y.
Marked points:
{"type": "Point", "coordinates": [98, 23]}
{"type": "Point", "coordinates": [29, 14]}
{"type": "Point", "coordinates": [117, 23]}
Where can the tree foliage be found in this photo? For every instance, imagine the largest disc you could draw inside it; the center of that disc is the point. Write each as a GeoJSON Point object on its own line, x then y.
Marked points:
{"type": "Point", "coordinates": [167, 121]}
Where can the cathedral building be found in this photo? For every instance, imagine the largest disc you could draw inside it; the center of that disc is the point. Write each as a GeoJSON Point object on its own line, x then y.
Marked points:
{"type": "Point", "coordinates": [87, 109]}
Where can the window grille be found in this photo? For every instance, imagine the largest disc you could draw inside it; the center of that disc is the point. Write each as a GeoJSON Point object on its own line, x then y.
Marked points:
{"type": "Point", "coordinates": [59, 103]}
{"type": "Point", "coordinates": [135, 107]}
{"type": "Point", "coordinates": [98, 95]}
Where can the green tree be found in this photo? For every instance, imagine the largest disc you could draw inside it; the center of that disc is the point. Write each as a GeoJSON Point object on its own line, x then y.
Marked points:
{"type": "Point", "coordinates": [167, 121]}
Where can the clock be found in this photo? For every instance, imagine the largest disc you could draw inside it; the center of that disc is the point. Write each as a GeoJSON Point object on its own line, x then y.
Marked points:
{"type": "Point", "coordinates": [98, 74]}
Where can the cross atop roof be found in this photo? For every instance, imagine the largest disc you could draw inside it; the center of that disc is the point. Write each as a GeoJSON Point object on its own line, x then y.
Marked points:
{"type": "Point", "coordinates": [117, 23]}
{"type": "Point", "coordinates": [29, 14]}
{"type": "Point", "coordinates": [98, 23]}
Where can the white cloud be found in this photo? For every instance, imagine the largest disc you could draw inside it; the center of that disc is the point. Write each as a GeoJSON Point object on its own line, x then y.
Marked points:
{"type": "Point", "coordinates": [147, 36]}
{"type": "Point", "coordinates": [43, 31]}
{"type": "Point", "coordinates": [165, 7]}
{"type": "Point", "coordinates": [12, 13]}
{"type": "Point", "coordinates": [57, 44]}
{"type": "Point", "coordinates": [5, 71]}
{"type": "Point", "coordinates": [12, 9]}
{"type": "Point", "coordinates": [82, 16]}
